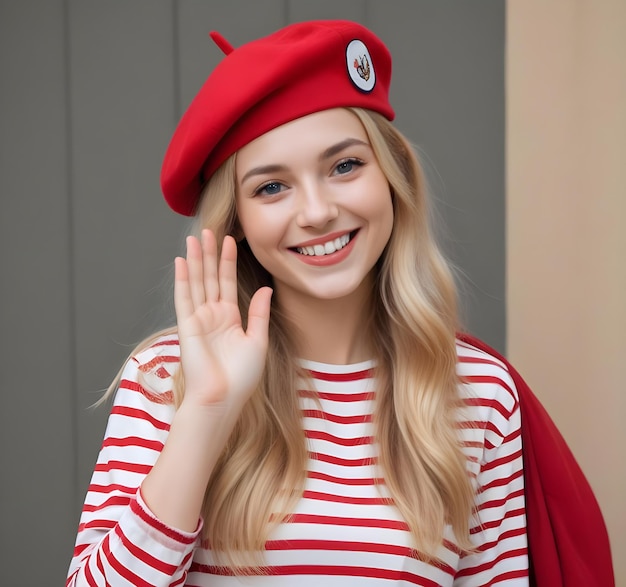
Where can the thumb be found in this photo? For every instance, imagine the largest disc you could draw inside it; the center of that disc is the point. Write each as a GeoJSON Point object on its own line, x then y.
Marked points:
{"type": "Point", "coordinates": [259, 314]}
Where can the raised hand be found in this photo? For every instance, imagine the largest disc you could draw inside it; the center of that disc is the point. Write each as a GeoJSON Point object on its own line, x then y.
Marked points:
{"type": "Point", "coordinates": [222, 364]}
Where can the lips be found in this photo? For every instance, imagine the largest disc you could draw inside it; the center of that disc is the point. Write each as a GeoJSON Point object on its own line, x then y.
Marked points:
{"type": "Point", "coordinates": [326, 247]}
{"type": "Point", "coordinates": [323, 258]}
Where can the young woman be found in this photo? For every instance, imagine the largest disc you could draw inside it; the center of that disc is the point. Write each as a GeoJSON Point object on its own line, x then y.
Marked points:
{"type": "Point", "coordinates": [313, 418]}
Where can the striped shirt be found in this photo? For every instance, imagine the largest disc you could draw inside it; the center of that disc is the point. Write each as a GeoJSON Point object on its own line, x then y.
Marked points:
{"type": "Point", "coordinates": [345, 529]}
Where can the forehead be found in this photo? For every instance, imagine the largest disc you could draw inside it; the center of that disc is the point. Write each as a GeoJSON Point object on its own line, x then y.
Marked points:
{"type": "Point", "coordinates": [308, 136]}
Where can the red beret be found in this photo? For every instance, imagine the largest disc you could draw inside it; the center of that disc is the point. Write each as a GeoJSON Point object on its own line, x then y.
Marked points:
{"type": "Point", "coordinates": [300, 69]}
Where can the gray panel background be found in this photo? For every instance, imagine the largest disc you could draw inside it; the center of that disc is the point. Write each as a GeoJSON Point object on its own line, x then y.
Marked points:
{"type": "Point", "coordinates": [89, 95]}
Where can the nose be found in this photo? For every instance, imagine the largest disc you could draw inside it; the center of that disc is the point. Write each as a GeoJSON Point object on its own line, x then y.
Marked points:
{"type": "Point", "coordinates": [316, 207]}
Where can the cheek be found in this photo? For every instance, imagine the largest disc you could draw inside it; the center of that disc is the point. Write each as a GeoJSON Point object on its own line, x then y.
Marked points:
{"type": "Point", "coordinates": [245, 220]}
{"type": "Point", "coordinates": [383, 209]}
{"type": "Point", "coordinates": [387, 224]}
{"type": "Point", "coordinates": [379, 202]}
{"type": "Point", "coordinates": [259, 230]}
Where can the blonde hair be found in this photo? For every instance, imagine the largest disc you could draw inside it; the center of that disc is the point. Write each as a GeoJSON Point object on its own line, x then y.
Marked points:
{"type": "Point", "coordinates": [261, 473]}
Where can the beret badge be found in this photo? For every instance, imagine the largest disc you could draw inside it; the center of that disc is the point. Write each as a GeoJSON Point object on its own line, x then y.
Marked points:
{"type": "Point", "coordinates": [360, 67]}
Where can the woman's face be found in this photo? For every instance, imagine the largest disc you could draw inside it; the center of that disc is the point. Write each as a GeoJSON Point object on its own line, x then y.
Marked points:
{"type": "Point", "coordinates": [314, 205]}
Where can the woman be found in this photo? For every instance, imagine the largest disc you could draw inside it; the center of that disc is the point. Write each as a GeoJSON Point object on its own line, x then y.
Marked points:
{"type": "Point", "coordinates": [313, 416]}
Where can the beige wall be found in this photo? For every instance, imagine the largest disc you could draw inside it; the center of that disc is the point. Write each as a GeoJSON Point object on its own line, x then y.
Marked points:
{"type": "Point", "coordinates": [566, 229]}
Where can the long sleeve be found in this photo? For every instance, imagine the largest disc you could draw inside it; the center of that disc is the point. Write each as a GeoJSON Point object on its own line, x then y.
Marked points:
{"type": "Point", "coordinates": [119, 541]}
{"type": "Point", "coordinates": [499, 530]}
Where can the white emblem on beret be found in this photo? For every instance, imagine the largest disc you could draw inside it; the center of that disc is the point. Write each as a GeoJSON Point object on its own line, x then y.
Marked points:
{"type": "Point", "coordinates": [360, 66]}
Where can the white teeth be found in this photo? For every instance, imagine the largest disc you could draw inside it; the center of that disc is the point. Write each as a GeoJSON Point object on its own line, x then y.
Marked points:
{"type": "Point", "coordinates": [327, 248]}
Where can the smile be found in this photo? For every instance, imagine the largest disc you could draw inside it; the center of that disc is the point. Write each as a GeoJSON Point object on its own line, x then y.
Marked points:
{"type": "Point", "coordinates": [326, 248]}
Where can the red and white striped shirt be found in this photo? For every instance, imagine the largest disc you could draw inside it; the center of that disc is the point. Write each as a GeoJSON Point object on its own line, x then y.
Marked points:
{"type": "Point", "coordinates": [344, 531]}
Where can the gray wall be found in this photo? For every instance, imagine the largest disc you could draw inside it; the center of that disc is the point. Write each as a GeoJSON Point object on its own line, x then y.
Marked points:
{"type": "Point", "coordinates": [90, 92]}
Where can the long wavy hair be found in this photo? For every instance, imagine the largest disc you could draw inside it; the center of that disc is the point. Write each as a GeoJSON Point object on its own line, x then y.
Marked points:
{"type": "Point", "coordinates": [261, 472]}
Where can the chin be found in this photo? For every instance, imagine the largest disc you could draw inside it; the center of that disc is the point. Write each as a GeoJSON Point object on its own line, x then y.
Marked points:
{"type": "Point", "coordinates": [344, 291]}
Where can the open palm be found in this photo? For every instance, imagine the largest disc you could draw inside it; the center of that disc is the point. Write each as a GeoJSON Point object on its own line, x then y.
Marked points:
{"type": "Point", "coordinates": [222, 364]}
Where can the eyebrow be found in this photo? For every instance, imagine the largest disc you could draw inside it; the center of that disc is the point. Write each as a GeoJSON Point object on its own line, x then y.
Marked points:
{"type": "Point", "coordinates": [262, 170]}
{"type": "Point", "coordinates": [327, 154]}
{"type": "Point", "coordinates": [340, 146]}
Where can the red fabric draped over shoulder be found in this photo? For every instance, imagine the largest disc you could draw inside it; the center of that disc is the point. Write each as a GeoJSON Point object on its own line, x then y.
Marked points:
{"type": "Point", "coordinates": [567, 538]}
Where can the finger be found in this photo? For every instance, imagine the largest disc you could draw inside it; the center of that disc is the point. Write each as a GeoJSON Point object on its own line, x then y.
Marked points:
{"type": "Point", "coordinates": [209, 263]}
{"type": "Point", "coordinates": [182, 295]}
{"type": "Point", "coordinates": [259, 315]}
{"type": "Point", "coordinates": [228, 270]}
{"type": "Point", "coordinates": [195, 271]}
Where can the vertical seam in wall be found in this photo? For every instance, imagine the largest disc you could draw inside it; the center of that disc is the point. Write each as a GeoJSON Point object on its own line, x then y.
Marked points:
{"type": "Point", "coordinates": [505, 269]}
{"type": "Point", "coordinates": [176, 76]}
{"type": "Point", "coordinates": [287, 11]}
{"type": "Point", "coordinates": [72, 362]}
{"type": "Point", "coordinates": [510, 266]}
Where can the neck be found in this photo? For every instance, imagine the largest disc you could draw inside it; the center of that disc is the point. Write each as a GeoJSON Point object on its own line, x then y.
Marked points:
{"type": "Point", "coordinates": [332, 331]}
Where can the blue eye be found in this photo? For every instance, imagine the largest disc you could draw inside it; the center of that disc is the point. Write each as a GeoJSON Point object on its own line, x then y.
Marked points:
{"type": "Point", "coordinates": [270, 189]}
{"type": "Point", "coordinates": [347, 165]}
